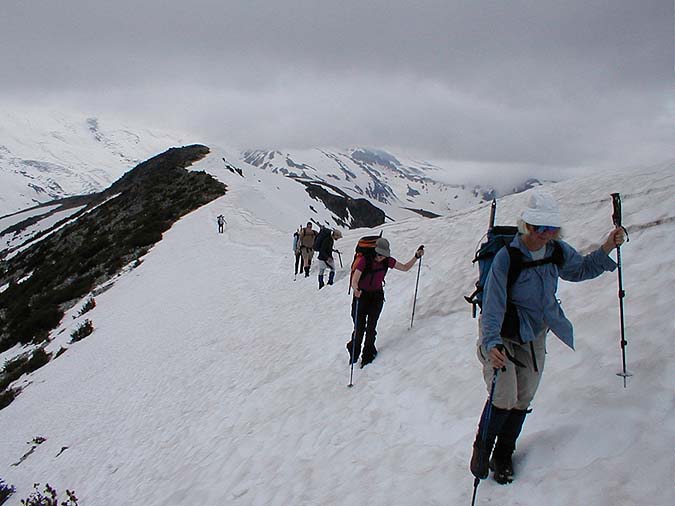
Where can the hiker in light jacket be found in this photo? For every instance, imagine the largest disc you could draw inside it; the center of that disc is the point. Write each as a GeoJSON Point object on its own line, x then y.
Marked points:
{"type": "Point", "coordinates": [307, 236]}
{"type": "Point", "coordinates": [326, 257]}
{"type": "Point", "coordinates": [367, 283]}
{"type": "Point", "coordinates": [519, 359]}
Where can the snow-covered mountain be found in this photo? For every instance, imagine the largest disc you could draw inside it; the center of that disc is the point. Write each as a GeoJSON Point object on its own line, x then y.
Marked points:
{"type": "Point", "coordinates": [213, 378]}
{"type": "Point", "coordinates": [397, 185]}
{"type": "Point", "coordinates": [48, 155]}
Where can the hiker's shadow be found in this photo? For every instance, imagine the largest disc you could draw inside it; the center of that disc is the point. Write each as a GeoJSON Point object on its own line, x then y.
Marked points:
{"type": "Point", "coordinates": [340, 275]}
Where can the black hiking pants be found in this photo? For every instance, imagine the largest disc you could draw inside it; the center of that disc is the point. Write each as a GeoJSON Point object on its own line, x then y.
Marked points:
{"type": "Point", "coordinates": [369, 308]}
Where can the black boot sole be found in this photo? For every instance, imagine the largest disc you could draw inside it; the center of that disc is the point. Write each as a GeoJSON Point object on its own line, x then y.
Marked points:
{"type": "Point", "coordinates": [501, 477]}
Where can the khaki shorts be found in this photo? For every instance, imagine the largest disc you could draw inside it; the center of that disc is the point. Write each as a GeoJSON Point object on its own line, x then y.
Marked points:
{"type": "Point", "coordinates": [307, 255]}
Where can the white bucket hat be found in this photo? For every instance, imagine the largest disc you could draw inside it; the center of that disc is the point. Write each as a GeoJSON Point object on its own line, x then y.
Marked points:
{"type": "Point", "coordinates": [542, 209]}
{"type": "Point", "coordinates": [382, 247]}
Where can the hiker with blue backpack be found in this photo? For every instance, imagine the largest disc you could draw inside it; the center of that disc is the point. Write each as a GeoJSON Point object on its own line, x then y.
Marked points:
{"type": "Point", "coordinates": [519, 307]}
{"type": "Point", "coordinates": [367, 281]}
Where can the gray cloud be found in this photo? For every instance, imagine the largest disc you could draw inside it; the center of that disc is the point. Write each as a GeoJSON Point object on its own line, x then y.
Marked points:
{"type": "Point", "coordinates": [536, 83]}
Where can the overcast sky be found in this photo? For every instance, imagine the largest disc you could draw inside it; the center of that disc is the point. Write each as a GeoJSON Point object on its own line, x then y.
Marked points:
{"type": "Point", "coordinates": [544, 84]}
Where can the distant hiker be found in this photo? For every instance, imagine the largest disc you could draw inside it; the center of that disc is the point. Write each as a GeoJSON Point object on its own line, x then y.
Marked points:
{"type": "Point", "coordinates": [307, 236]}
{"type": "Point", "coordinates": [325, 242]}
{"type": "Point", "coordinates": [367, 283]}
{"type": "Point", "coordinates": [516, 316]}
{"type": "Point", "coordinates": [296, 250]}
{"type": "Point", "coordinates": [221, 223]}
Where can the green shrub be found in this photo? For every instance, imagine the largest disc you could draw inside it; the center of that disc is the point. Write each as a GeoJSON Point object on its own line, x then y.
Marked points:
{"type": "Point", "coordinates": [7, 396]}
{"type": "Point", "coordinates": [50, 498]}
{"type": "Point", "coordinates": [37, 324]}
{"type": "Point", "coordinates": [12, 370]}
{"type": "Point", "coordinates": [73, 290]}
{"type": "Point", "coordinates": [23, 364]}
{"type": "Point", "coordinates": [86, 328]}
{"type": "Point", "coordinates": [145, 238]}
{"type": "Point", "coordinates": [38, 358]}
{"type": "Point", "coordinates": [87, 306]}
{"type": "Point", "coordinates": [5, 491]}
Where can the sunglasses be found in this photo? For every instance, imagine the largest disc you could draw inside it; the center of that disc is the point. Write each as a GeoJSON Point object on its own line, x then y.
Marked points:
{"type": "Point", "coordinates": [542, 229]}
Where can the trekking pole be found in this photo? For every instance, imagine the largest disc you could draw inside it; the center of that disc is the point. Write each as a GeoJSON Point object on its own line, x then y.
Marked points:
{"type": "Point", "coordinates": [340, 257]}
{"type": "Point", "coordinates": [356, 319]}
{"type": "Point", "coordinates": [419, 268]}
{"type": "Point", "coordinates": [616, 218]}
{"type": "Point", "coordinates": [484, 426]}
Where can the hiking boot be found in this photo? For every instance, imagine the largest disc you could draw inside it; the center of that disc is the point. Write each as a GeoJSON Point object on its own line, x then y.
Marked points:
{"type": "Point", "coordinates": [491, 422]}
{"type": "Point", "coordinates": [367, 359]}
{"type": "Point", "coordinates": [306, 272]}
{"type": "Point", "coordinates": [320, 282]}
{"type": "Point", "coordinates": [501, 462]}
{"type": "Point", "coordinates": [502, 466]}
{"type": "Point", "coordinates": [331, 277]}
{"type": "Point", "coordinates": [480, 460]}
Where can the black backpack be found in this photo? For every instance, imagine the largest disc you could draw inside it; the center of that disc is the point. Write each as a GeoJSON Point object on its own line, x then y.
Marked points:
{"type": "Point", "coordinates": [320, 237]}
{"type": "Point", "coordinates": [497, 238]}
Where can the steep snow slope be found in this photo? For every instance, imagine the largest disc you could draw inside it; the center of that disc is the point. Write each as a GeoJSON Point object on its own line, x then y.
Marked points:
{"type": "Point", "coordinates": [212, 378]}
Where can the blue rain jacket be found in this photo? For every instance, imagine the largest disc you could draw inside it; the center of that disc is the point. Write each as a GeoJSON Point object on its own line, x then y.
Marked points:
{"type": "Point", "coordinates": [534, 292]}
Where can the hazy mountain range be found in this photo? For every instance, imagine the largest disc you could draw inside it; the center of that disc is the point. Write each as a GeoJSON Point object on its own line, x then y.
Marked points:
{"type": "Point", "coordinates": [55, 156]}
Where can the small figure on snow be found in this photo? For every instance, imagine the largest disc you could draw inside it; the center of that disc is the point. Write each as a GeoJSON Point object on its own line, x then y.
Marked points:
{"type": "Point", "coordinates": [221, 223]}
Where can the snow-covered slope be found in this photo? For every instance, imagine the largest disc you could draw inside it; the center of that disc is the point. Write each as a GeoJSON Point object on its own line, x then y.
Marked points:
{"type": "Point", "coordinates": [46, 155]}
{"type": "Point", "coordinates": [213, 378]}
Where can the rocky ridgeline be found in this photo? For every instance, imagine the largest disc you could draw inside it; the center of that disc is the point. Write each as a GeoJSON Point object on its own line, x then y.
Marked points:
{"type": "Point", "coordinates": [113, 229]}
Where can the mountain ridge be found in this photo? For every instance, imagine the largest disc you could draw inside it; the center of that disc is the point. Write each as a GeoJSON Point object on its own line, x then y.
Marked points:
{"type": "Point", "coordinates": [41, 277]}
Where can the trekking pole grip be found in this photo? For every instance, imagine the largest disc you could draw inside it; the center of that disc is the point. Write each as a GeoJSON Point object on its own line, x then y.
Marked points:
{"type": "Point", "coordinates": [616, 211]}
{"type": "Point", "coordinates": [501, 348]}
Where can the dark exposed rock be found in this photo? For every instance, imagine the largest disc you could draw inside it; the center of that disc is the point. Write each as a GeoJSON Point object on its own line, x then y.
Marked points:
{"type": "Point", "coordinates": [423, 212]}
{"type": "Point", "coordinates": [350, 212]}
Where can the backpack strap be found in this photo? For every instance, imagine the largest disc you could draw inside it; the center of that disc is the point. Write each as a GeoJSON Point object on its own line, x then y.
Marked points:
{"type": "Point", "coordinates": [511, 324]}
{"type": "Point", "coordinates": [517, 264]}
{"type": "Point", "coordinates": [368, 267]}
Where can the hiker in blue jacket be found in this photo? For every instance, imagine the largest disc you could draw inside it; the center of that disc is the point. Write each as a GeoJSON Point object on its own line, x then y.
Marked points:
{"type": "Point", "coordinates": [518, 351]}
